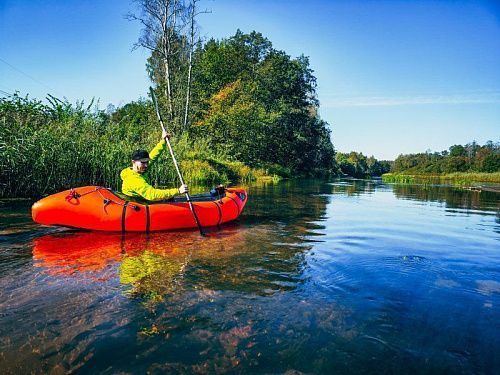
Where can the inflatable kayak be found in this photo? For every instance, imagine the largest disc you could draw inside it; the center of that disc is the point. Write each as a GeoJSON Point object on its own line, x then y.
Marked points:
{"type": "Point", "coordinates": [99, 208]}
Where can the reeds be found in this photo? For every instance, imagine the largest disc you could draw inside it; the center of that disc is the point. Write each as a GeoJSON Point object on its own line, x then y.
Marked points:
{"type": "Point", "coordinates": [458, 178]}
{"type": "Point", "coordinates": [49, 148]}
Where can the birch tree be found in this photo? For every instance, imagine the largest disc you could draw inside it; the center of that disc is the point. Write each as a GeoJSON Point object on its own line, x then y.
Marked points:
{"type": "Point", "coordinates": [170, 33]}
{"type": "Point", "coordinates": [192, 33]}
{"type": "Point", "coordinates": [162, 22]}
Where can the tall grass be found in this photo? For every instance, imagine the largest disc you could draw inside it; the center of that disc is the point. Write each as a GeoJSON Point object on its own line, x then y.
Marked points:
{"type": "Point", "coordinates": [458, 178]}
{"type": "Point", "coordinates": [45, 148]}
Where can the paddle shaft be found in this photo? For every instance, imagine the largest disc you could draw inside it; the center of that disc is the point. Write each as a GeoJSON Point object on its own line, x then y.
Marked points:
{"type": "Point", "coordinates": [188, 198]}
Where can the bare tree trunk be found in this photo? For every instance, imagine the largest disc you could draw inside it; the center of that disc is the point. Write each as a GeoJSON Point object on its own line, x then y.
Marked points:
{"type": "Point", "coordinates": [163, 22]}
{"type": "Point", "coordinates": [190, 62]}
{"type": "Point", "coordinates": [166, 44]}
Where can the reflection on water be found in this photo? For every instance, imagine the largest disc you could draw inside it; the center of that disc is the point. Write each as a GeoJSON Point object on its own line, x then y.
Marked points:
{"type": "Point", "coordinates": [316, 277]}
{"type": "Point", "coordinates": [453, 198]}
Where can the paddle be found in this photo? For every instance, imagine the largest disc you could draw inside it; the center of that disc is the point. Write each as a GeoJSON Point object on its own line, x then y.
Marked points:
{"type": "Point", "coordinates": [188, 198]}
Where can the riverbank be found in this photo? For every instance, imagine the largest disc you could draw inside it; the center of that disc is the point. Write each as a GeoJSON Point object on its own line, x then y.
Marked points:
{"type": "Point", "coordinates": [472, 180]}
{"type": "Point", "coordinates": [50, 148]}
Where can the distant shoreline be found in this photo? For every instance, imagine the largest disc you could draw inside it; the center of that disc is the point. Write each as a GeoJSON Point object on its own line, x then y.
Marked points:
{"type": "Point", "coordinates": [470, 181]}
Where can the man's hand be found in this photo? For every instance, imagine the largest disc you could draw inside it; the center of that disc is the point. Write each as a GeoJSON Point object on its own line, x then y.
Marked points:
{"type": "Point", "coordinates": [183, 189]}
{"type": "Point", "coordinates": [165, 135]}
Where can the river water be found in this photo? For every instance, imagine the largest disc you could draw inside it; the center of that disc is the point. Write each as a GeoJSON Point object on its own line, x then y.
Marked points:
{"type": "Point", "coordinates": [342, 277]}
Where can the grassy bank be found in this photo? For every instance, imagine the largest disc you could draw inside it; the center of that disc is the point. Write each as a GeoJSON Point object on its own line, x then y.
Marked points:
{"type": "Point", "coordinates": [459, 179]}
{"type": "Point", "coordinates": [46, 149]}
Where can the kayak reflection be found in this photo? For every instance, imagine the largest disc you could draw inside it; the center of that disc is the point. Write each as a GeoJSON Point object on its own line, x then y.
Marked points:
{"type": "Point", "coordinates": [151, 264]}
{"type": "Point", "coordinates": [70, 253]}
{"type": "Point", "coordinates": [239, 258]}
{"type": "Point", "coordinates": [76, 252]}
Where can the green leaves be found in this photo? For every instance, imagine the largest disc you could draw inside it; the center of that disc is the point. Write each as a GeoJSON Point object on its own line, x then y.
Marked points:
{"type": "Point", "coordinates": [356, 164]}
{"type": "Point", "coordinates": [252, 107]}
{"type": "Point", "coordinates": [469, 158]}
{"type": "Point", "coordinates": [258, 105]}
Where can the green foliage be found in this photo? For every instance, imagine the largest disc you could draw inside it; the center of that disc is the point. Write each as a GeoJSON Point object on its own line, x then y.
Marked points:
{"type": "Point", "coordinates": [49, 148]}
{"type": "Point", "coordinates": [254, 113]}
{"type": "Point", "coordinates": [200, 172]}
{"type": "Point", "coordinates": [398, 178]}
{"type": "Point", "coordinates": [491, 163]}
{"type": "Point", "coordinates": [257, 105]}
{"type": "Point", "coordinates": [356, 164]}
{"type": "Point", "coordinates": [457, 178]}
{"type": "Point", "coordinates": [469, 158]}
{"type": "Point", "coordinates": [457, 150]}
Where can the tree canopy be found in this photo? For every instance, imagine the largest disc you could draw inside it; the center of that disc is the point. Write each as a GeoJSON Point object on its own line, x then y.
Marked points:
{"type": "Point", "coordinates": [257, 105]}
{"type": "Point", "coordinates": [355, 164]}
{"type": "Point", "coordinates": [253, 112]}
{"type": "Point", "coordinates": [458, 158]}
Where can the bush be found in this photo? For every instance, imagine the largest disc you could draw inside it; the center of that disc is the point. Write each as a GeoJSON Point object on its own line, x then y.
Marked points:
{"type": "Point", "coordinates": [491, 163]}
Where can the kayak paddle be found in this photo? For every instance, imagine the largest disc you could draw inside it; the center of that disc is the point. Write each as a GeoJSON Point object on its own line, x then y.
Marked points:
{"type": "Point", "coordinates": [188, 198]}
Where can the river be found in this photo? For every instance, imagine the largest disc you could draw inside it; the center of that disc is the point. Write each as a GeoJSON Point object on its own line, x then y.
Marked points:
{"type": "Point", "coordinates": [323, 277]}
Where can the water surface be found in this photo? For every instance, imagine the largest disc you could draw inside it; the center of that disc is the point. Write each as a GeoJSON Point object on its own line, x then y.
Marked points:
{"type": "Point", "coordinates": [315, 277]}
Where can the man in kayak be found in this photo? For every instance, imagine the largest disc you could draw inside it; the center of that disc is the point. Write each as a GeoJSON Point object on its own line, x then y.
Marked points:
{"type": "Point", "coordinates": [136, 181]}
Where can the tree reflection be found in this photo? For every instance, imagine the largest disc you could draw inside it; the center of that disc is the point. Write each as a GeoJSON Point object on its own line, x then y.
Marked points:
{"type": "Point", "coordinates": [451, 196]}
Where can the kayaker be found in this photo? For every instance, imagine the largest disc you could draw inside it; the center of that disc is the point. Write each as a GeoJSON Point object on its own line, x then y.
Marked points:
{"type": "Point", "coordinates": [135, 179]}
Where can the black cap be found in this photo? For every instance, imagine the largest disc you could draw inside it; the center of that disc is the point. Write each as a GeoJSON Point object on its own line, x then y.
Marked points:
{"type": "Point", "coordinates": [140, 154]}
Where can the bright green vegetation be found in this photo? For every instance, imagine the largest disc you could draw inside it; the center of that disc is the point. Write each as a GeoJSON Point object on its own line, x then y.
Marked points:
{"type": "Point", "coordinates": [469, 158]}
{"type": "Point", "coordinates": [48, 148]}
{"type": "Point", "coordinates": [460, 165]}
{"type": "Point", "coordinates": [356, 164]}
{"type": "Point", "coordinates": [463, 179]}
{"type": "Point", "coordinates": [252, 114]}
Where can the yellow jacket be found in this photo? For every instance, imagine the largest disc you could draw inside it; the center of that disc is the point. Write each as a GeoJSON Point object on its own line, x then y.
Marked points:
{"type": "Point", "coordinates": [138, 184]}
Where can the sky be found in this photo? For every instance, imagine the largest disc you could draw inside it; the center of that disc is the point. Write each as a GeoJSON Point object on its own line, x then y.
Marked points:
{"type": "Point", "coordinates": [394, 76]}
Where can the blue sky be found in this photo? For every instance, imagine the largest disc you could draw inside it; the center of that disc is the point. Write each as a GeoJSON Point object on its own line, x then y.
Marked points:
{"type": "Point", "coordinates": [393, 76]}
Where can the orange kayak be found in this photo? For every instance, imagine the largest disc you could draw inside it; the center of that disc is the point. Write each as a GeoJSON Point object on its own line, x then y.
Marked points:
{"type": "Point", "coordinates": [98, 208]}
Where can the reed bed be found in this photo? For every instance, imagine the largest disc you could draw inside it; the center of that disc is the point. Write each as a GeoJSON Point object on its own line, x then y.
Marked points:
{"type": "Point", "coordinates": [45, 148]}
{"type": "Point", "coordinates": [459, 178]}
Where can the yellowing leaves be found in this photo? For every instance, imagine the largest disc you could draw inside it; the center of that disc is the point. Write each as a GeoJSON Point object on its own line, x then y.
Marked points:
{"type": "Point", "coordinates": [226, 91]}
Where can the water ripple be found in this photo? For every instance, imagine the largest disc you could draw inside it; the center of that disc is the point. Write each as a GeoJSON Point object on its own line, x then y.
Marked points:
{"type": "Point", "coordinates": [354, 277]}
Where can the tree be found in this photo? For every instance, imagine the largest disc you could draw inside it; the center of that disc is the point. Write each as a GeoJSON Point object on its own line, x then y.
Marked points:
{"type": "Point", "coordinates": [356, 164]}
{"type": "Point", "coordinates": [169, 32]}
{"type": "Point", "coordinates": [192, 14]}
{"type": "Point", "coordinates": [241, 94]}
{"type": "Point", "coordinates": [491, 163]}
{"type": "Point", "coordinates": [251, 98]}
{"type": "Point", "coordinates": [457, 150]}
{"type": "Point", "coordinates": [374, 167]}
{"type": "Point", "coordinates": [346, 165]}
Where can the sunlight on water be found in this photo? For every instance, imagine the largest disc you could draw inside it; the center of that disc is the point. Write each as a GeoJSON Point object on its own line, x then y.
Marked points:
{"type": "Point", "coordinates": [315, 277]}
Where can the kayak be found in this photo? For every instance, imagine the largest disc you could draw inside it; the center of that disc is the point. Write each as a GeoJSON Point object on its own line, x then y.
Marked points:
{"type": "Point", "coordinates": [99, 208]}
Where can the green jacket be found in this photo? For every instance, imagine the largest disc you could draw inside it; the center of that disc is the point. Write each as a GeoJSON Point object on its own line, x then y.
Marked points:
{"type": "Point", "coordinates": [138, 184]}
